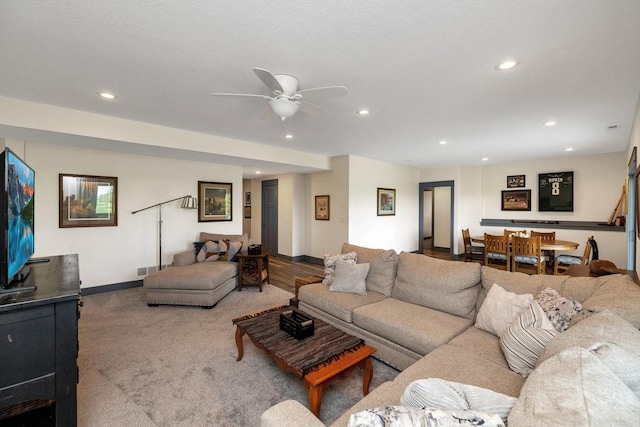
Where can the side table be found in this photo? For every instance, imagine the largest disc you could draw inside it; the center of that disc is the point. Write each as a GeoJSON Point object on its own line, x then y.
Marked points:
{"type": "Point", "coordinates": [301, 281]}
{"type": "Point", "coordinates": [253, 270]}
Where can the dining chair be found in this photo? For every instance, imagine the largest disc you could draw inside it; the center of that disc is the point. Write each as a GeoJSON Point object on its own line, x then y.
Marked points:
{"type": "Point", "coordinates": [526, 255]}
{"type": "Point", "coordinates": [563, 262]}
{"type": "Point", "coordinates": [471, 252]}
{"type": "Point", "coordinates": [549, 255]}
{"type": "Point", "coordinates": [496, 251]}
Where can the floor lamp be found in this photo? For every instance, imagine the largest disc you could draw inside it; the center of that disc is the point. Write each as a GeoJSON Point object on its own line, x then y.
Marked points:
{"type": "Point", "coordinates": [188, 202]}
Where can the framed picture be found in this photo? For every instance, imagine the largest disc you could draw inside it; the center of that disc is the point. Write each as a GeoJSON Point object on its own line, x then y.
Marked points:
{"type": "Point", "coordinates": [555, 192]}
{"type": "Point", "coordinates": [88, 201]}
{"type": "Point", "coordinates": [515, 181]}
{"type": "Point", "coordinates": [386, 201]}
{"type": "Point", "coordinates": [516, 200]}
{"type": "Point", "coordinates": [247, 198]}
{"type": "Point", "coordinates": [247, 211]}
{"type": "Point", "coordinates": [322, 208]}
{"type": "Point", "coordinates": [215, 201]}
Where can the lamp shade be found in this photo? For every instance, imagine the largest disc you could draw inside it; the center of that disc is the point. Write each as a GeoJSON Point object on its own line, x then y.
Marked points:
{"type": "Point", "coordinates": [190, 202]}
{"type": "Point", "coordinates": [284, 107]}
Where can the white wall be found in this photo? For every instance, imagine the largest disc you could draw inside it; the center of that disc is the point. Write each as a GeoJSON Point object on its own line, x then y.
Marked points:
{"type": "Point", "coordinates": [113, 254]}
{"type": "Point", "coordinates": [442, 217]}
{"type": "Point", "coordinates": [400, 231]}
{"type": "Point", "coordinates": [427, 214]}
{"type": "Point", "coordinates": [597, 188]}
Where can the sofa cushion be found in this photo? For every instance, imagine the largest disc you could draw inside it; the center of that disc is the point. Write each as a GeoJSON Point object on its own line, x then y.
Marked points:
{"type": "Point", "coordinates": [387, 393]}
{"type": "Point", "coordinates": [617, 293]}
{"type": "Point", "coordinates": [482, 343]}
{"type": "Point", "coordinates": [350, 278]}
{"type": "Point", "coordinates": [525, 339]}
{"type": "Point", "coordinates": [330, 264]}
{"type": "Point", "coordinates": [463, 365]}
{"type": "Point", "coordinates": [500, 309]}
{"type": "Point", "coordinates": [574, 388]}
{"type": "Point", "coordinates": [198, 276]}
{"type": "Point", "coordinates": [559, 310]}
{"type": "Point", "coordinates": [448, 286]}
{"type": "Point", "coordinates": [418, 328]}
{"type": "Point", "coordinates": [609, 337]}
{"type": "Point", "coordinates": [337, 304]}
{"type": "Point", "coordinates": [383, 264]}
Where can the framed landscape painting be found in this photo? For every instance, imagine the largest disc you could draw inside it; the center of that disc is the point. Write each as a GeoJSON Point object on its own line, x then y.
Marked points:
{"type": "Point", "coordinates": [215, 201]}
{"type": "Point", "coordinates": [87, 201]}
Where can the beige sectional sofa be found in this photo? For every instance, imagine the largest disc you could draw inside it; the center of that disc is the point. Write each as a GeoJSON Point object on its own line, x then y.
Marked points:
{"type": "Point", "coordinates": [188, 282]}
{"type": "Point", "coordinates": [420, 313]}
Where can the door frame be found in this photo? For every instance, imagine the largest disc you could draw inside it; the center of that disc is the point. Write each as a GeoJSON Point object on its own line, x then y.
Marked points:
{"type": "Point", "coordinates": [421, 188]}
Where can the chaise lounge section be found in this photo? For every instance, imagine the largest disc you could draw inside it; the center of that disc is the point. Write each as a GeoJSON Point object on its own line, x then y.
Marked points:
{"type": "Point", "coordinates": [424, 323]}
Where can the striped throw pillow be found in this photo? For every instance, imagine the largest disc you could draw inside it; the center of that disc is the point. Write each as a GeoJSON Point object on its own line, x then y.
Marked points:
{"type": "Point", "coordinates": [525, 339]}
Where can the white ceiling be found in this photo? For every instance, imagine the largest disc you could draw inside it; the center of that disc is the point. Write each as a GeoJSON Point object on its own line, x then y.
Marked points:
{"type": "Point", "coordinates": [425, 69]}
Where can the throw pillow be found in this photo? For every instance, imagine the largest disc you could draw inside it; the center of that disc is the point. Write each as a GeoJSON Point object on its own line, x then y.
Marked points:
{"type": "Point", "coordinates": [211, 251]}
{"type": "Point", "coordinates": [330, 264]}
{"type": "Point", "coordinates": [439, 393]}
{"type": "Point", "coordinates": [559, 309]}
{"type": "Point", "coordinates": [350, 278]}
{"type": "Point", "coordinates": [234, 249]}
{"type": "Point", "coordinates": [500, 308]}
{"type": "Point", "coordinates": [574, 388]}
{"type": "Point", "coordinates": [404, 416]}
{"type": "Point", "coordinates": [525, 339]}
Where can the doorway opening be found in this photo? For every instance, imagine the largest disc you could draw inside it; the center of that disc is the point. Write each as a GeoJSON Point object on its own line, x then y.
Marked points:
{"type": "Point", "coordinates": [435, 216]}
{"type": "Point", "coordinates": [270, 216]}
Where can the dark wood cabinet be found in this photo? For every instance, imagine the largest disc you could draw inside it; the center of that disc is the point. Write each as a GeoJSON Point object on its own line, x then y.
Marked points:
{"type": "Point", "coordinates": [39, 345]}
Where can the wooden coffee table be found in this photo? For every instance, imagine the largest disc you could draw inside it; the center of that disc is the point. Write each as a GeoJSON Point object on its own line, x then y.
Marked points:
{"type": "Point", "coordinates": [264, 331]}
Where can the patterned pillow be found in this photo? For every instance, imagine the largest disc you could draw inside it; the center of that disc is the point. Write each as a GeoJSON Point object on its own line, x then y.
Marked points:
{"type": "Point", "coordinates": [383, 416]}
{"type": "Point", "coordinates": [211, 250]}
{"type": "Point", "coordinates": [559, 309]}
{"type": "Point", "coordinates": [525, 339]}
{"type": "Point", "coordinates": [330, 265]}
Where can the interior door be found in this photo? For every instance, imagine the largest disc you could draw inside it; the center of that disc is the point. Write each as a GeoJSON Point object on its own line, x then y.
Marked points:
{"type": "Point", "coordinates": [270, 216]}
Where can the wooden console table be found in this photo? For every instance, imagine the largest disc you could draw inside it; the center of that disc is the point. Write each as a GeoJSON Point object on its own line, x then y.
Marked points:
{"type": "Point", "coordinates": [39, 346]}
{"type": "Point", "coordinates": [253, 270]}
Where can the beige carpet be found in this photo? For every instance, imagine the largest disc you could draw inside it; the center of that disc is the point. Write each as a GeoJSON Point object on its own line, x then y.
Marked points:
{"type": "Point", "coordinates": [176, 366]}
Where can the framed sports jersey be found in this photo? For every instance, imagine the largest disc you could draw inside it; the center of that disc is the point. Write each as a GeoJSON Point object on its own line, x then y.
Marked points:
{"type": "Point", "coordinates": [555, 192]}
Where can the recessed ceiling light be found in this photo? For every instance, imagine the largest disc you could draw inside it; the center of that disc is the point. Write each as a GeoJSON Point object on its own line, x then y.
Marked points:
{"type": "Point", "coordinates": [107, 95]}
{"type": "Point", "coordinates": [568, 149]}
{"type": "Point", "coordinates": [506, 65]}
{"type": "Point", "coordinates": [288, 136]}
{"type": "Point", "coordinates": [443, 142]}
{"type": "Point", "coordinates": [484, 159]}
{"type": "Point", "coordinates": [258, 172]}
{"type": "Point", "coordinates": [363, 112]}
{"type": "Point", "coordinates": [550, 123]}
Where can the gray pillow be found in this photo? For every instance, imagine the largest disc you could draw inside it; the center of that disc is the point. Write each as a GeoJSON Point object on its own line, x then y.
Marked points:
{"type": "Point", "coordinates": [350, 278]}
{"type": "Point", "coordinates": [383, 264]}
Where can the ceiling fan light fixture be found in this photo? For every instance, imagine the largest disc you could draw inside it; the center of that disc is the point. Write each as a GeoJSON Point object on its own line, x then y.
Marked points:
{"type": "Point", "coordinates": [284, 108]}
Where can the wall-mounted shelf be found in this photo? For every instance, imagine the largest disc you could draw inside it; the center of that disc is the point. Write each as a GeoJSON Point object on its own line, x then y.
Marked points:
{"type": "Point", "coordinates": [553, 224]}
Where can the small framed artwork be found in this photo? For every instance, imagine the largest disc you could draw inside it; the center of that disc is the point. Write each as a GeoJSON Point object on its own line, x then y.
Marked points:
{"type": "Point", "coordinates": [516, 200]}
{"type": "Point", "coordinates": [322, 208]}
{"type": "Point", "coordinates": [247, 198]}
{"type": "Point", "coordinates": [515, 181]}
{"type": "Point", "coordinates": [386, 201]}
{"type": "Point", "coordinates": [88, 201]}
{"type": "Point", "coordinates": [247, 211]}
{"type": "Point", "coordinates": [215, 201]}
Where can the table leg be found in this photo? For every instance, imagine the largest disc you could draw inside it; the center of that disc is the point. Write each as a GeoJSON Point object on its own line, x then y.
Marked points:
{"type": "Point", "coordinates": [239, 334]}
{"type": "Point", "coordinates": [315, 398]}
{"type": "Point", "coordinates": [367, 374]}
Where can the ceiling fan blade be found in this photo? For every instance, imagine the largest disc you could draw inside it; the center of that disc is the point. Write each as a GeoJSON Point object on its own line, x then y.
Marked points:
{"type": "Point", "coordinates": [267, 114]}
{"type": "Point", "coordinates": [323, 92]}
{"type": "Point", "coordinates": [267, 78]}
{"type": "Point", "coordinates": [314, 106]}
{"type": "Point", "coordinates": [241, 94]}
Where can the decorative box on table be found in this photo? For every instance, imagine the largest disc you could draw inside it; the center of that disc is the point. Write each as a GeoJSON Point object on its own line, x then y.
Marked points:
{"type": "Point", "coordinates": [254, 249]}
{"type": "Point", "coordinates": [296, 324]}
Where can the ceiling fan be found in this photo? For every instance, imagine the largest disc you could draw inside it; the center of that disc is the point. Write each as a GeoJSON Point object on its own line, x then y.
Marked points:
{"type": "Point", "coordinates": [286, 99]}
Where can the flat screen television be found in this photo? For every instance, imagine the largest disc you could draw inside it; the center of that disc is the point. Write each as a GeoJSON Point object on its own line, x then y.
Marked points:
{"type": "Point", "coordinates": [16, 218]}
